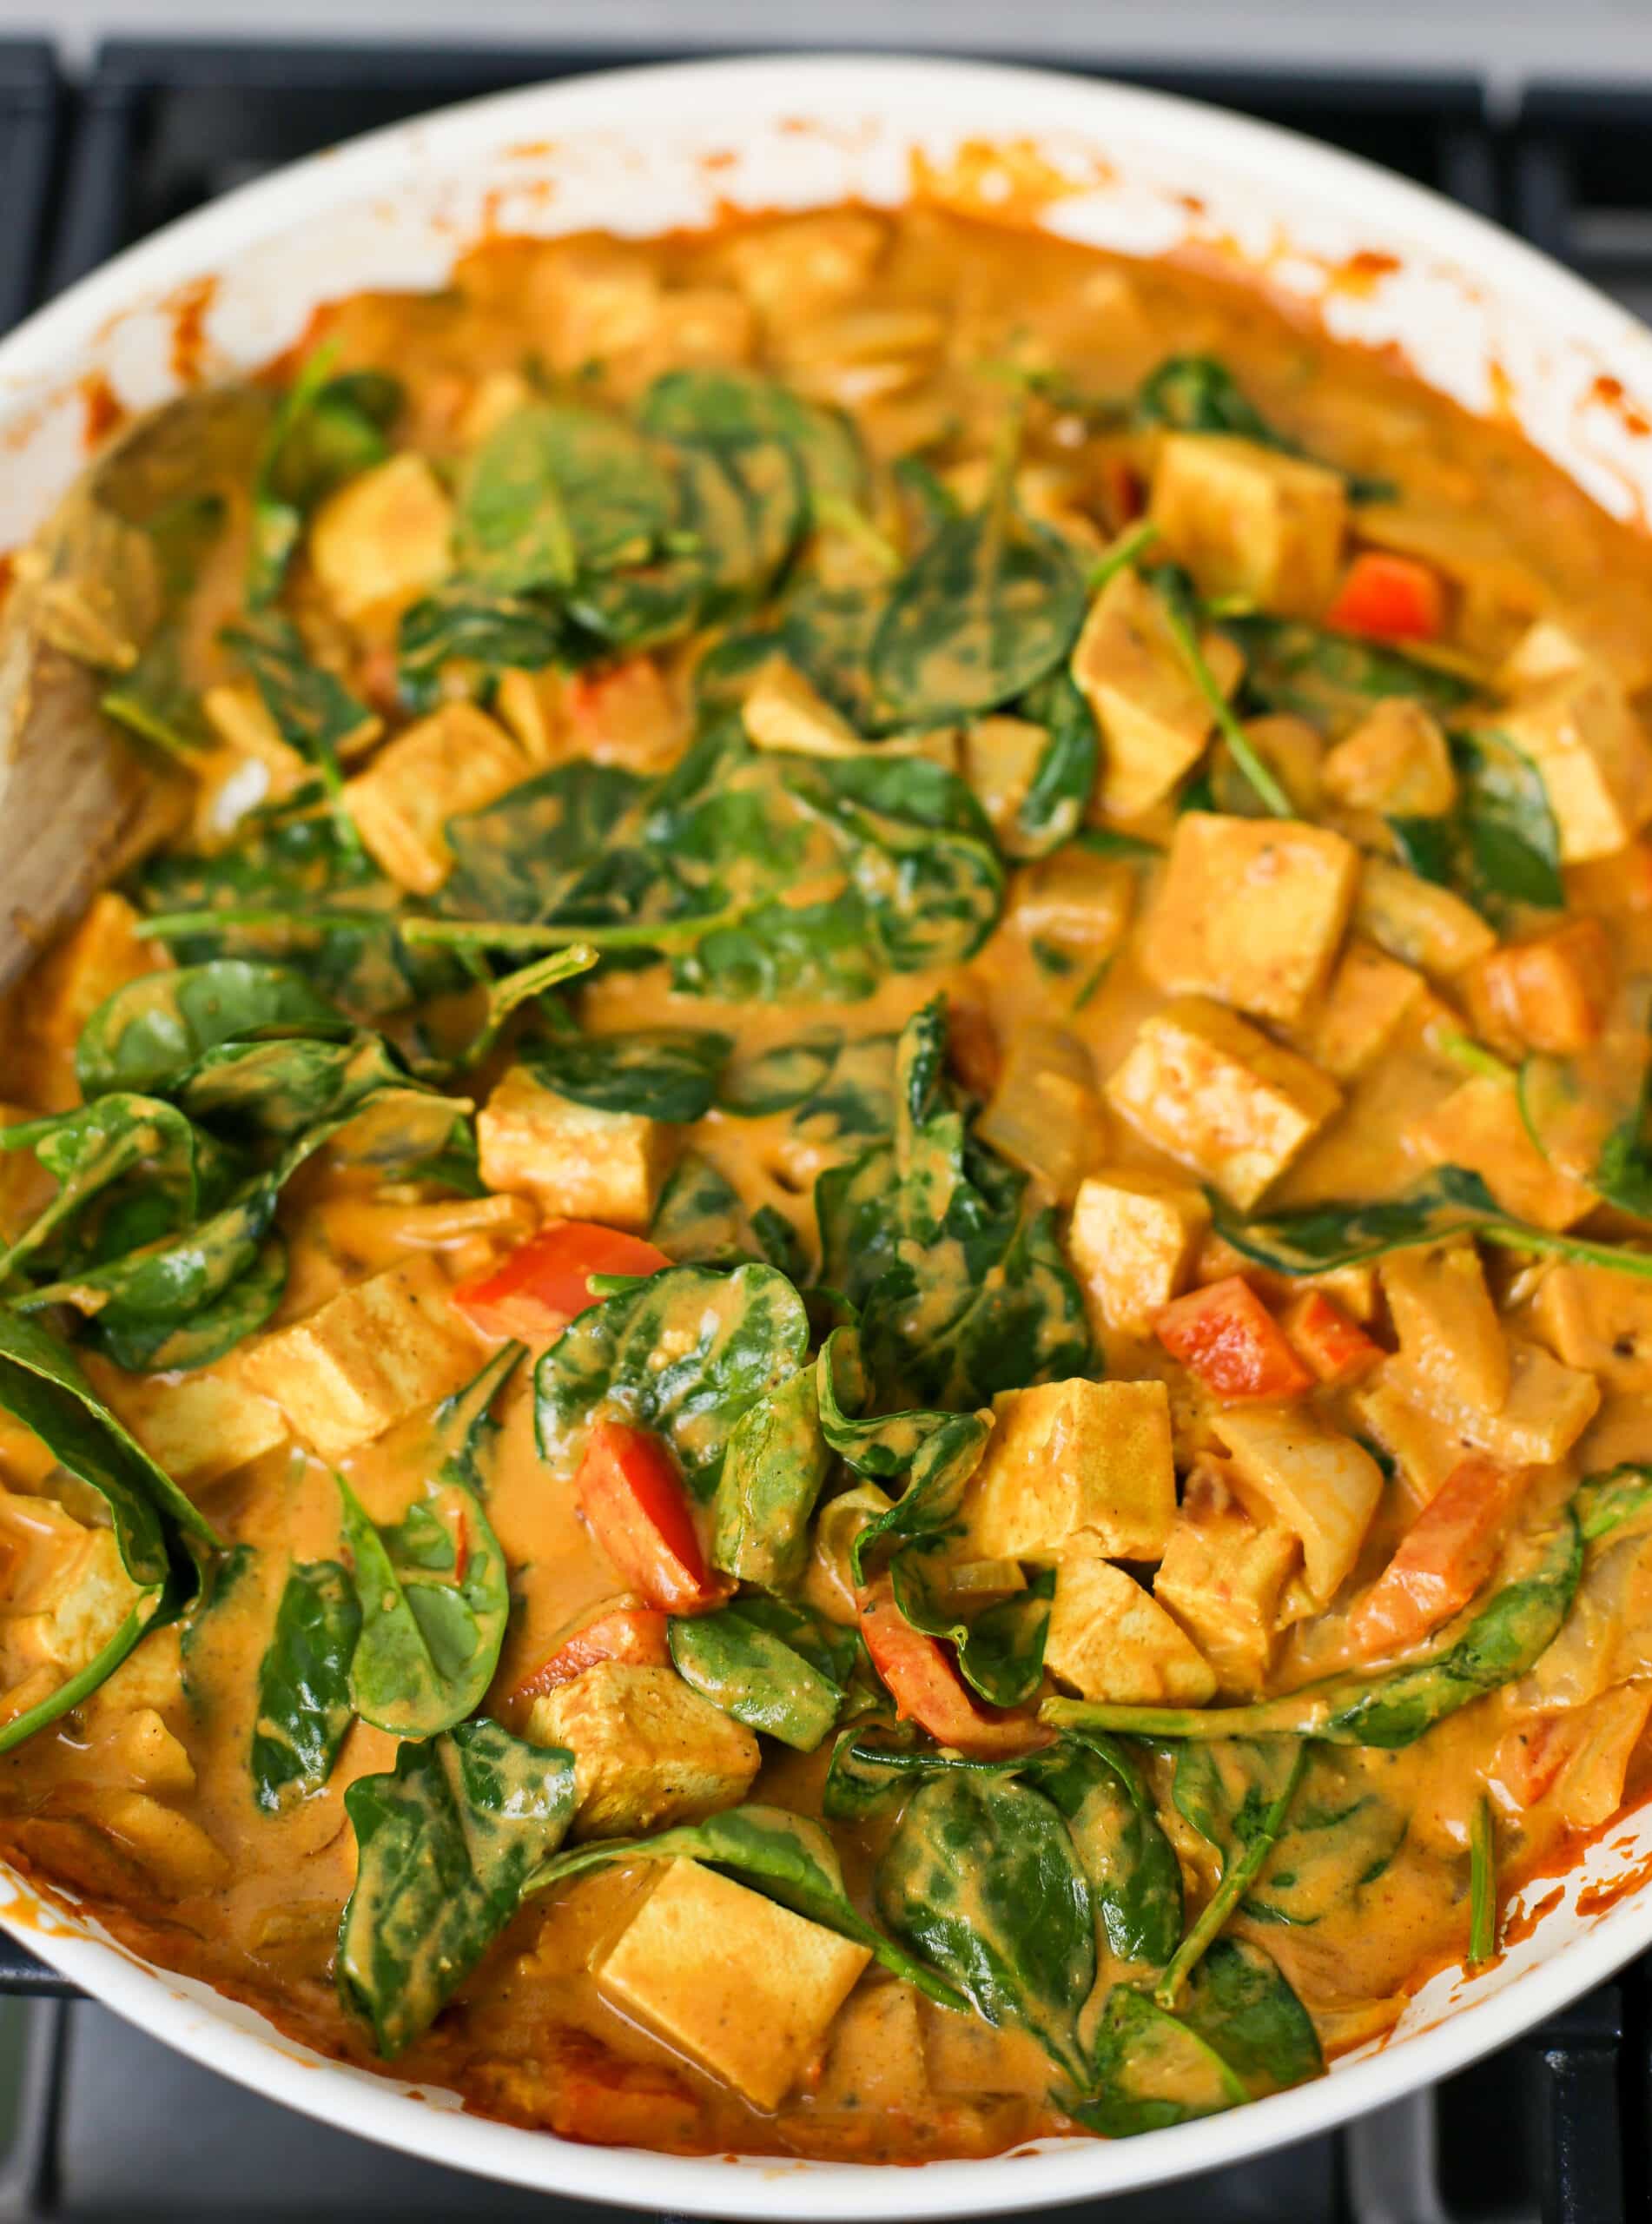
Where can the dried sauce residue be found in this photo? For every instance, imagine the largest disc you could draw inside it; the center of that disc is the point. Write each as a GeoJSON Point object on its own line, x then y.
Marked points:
{"type": "Point", "coordinates": [1609, 392]}
{"type": "Point", "coordinates": [188, 308]}
{"type": "Point", "coordinates": [103, 410]}
{"type": "Point", "coordinates": [1012, 180]}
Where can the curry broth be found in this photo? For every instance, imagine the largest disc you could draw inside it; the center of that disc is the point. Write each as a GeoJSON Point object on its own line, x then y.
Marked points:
{"type": "Point", "coordinates": [892, 320]}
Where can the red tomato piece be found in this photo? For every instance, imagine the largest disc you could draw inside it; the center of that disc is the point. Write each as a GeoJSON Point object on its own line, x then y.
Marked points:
{"type": "Point", "coordinates": [631, 1494]}
{"type": "Point", "coordinates": [1440, 1561]}
{"type": "Point", "coordinates": [927, 1688]}
{"type": "Point", "coordinates": [543, 1282]}
{"type": "Point", "coordinates": [633, 1634]}
{"type": "Point", "coordinates": [1391, 598]}
{"type": "Point", "coordinates": [1226, 1336]}
{"type": "Point", "coordinates": [1333, 1344]}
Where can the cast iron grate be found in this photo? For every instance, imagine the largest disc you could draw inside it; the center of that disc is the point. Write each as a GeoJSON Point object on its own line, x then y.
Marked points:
{"type": "Point", "coordinates": [30, 104]}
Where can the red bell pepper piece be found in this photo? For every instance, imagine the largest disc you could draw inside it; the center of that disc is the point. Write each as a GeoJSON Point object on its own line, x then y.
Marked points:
{"type": "Point", "coordinates": [1390, 598]}
{"type": "Point", "coordinates": [1226, 1336]}
{"type": "Point", "coordinates": [632, 1496]}
{"type": "Point", "coordinates": [633, 1634]}
{"type": "Point", "coordinates": [543, 1284]}
{"type": "Point", "coordinates": [1333, 1344]}
{"type": "Point", "coordinates": [927, 1688]}
{"type": "Point", "coordinates": [1440, 1561]}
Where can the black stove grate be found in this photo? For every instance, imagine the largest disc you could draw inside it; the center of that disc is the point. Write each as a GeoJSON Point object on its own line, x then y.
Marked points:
{"type": "Point", "coordinates": [97, 2121]}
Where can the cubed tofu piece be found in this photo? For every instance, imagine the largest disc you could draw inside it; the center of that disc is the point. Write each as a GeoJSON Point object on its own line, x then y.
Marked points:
{"type": "Point", "coordinates": [200, 1428]}
{"type": "Point", "coordinates": [1153, 721]}
{"type": "Point", "coordinates": [1448, 1327]}
{"type": "Point", "coordinates": [1209, 1089]}
{"type": "Point", "coordinates": [383, 540]}
{"type": "Point", "coordinates": [1552, 991]}
{"type": "Point", "coordinates": [1065, 1456]}
{"type": "Point", "coordinates": [1594, 756]}
{"type": "Point", "coordinates": [66, 1591]}
{"type": "Point", "coordinates": [1547, 1409]}
{"type": "Point", "coordinates": [1223, 1577]}
{"type": "Point", "coordinates": [807, 264]}
{"type": "Point", "coordinates": [1554, 648]}
{"type": "Point", "coordinates": [175, 1853]}
{"type": "Point", "coordinates": [1424, 1449]}
{"type": "Point", "coordinates": [242, 720]}
{"type": "Point", "coordinates": [367, 1359]}
{"type": "Point", "coordinates": [628, 714]}
{"type": "Point", "coordinates": [496, 396]}
{"type": "Point", "coordinates": [1478, 1126]}
{"type": "Point", "coordinates": [784, 711]}
{"type": "Point", "coordinates": [1418, 922]}
{"type": "Point", "coordinates": [94, 958]}
{"type": "Point", "coordinates": [1111, 1641]}
{"type": "Point", "coordinates": [1291, 1467]}
{"type": "Point", "coordinates": [576, 1161]}
{"type": "Point", "coordinates": [876, 2058]}
{"type": "Point", "coordinates": [965, 2059]}
{"type": "Point", "coordinates": [1247, 520]}
{"type": "Point", "coordinates": [1599, 1322]}
{"type": "Point", "coordinates": [744, 1986]}
{"type": "Point", "coordinates": [532, 706]}
{"type": "Point", "coordinates": [1590, 1787]}
{"type": "Point", "coordinates": [139, 1747]}
{"type": "Point", "coordinates": [454, 761]}
{"type": "Point", "coordinates": [1368, 999]}
{"type": "Point", "coordinates": [1000, 760]}
{"type": "Point", "coordinates": [1291, 750]}
{"type": "Point", "coordinates": [1397, 763]}
{"type": "Point", "coordinates": [648, 1750]}
{"type": "Point", "coordinates": [1249, 911]}
{"type": "Point", "coordinates": [1133, 1238]}
{"type": "Point", "coordinates": [1074, 902]}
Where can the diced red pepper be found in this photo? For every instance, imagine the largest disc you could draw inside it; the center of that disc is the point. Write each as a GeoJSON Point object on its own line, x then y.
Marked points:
{"type": "Point", "coordinates": [1226, 1336]}
{"type": "Point", "coordinates": [544, 1281]}
{"type": "Point", "coordinates": [1390, 598]}
{"type": "Point", "coordinates": [927, 1688]}
{"type": "Point", "coordinates": [1440, 1561]}
{"type": "Point", "coordinates": [633, 1634]}
{"type": "Point", "coordinates": [631, 1494]}
{"type": "Point", "coordinates": [1126, 497]}
{"type": "Point", "coordinates": [1333, 1344]}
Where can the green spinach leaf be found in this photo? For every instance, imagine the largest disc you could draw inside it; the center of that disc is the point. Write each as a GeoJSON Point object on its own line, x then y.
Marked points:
{"type": "Point", "coordinates": [304, 1706]}
{"type": "Point", "coordinates": [154, 1028]}
{"type": "Point", "coordinates": [556, 491]}
{"type": "Point", "coordinates": [754, 1675]}
{"type": "Point", "coordinates": [663, 1073]}
{"type": "Point", "coordinates": [1000, 1650]}
{"type": "Point", "coordinates": [776, 1462]}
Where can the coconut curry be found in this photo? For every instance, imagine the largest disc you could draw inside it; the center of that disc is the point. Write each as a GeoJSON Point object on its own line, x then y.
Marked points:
{"type": "Point", "coordinates": [825, 1314]}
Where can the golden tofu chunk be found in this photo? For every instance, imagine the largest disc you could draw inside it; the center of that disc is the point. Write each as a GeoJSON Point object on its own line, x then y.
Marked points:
{"type": "Point", "coordinates": [94, 959]}
{"type": "Point", "coordinates": [1152, 719]}
{"type": "Point", "coordinates": [876, 2058]}
{"type": "Point", "coordinates": [1292, 751]}
{"type": "Point", "coordinates": [1065, 1456]}
{"type": "Point", "coordinates": [1368, 998]}
{"type": "Point", "coordinates": [744, 1987]}
{"type": "Point", "coordinates": [1209, 1089]}
{"type": "Point", "coordinates": [1599, 1322]}
{"type": "Point", "coordinates": [1246, 520]}
{"type": "Point", "coordinates": [367, 1359]}
{"type": "Point", "coordinates": [1249, 911]}
{"type": "Point", "coordinates": [1594, 756]}
{"type": "Point", "coordinates": [1547, 1409]}
{"type": "Point", "coordinates": [496, 396]}
{"type": "Point", "coordinates": [1074, 902]}
{"type": "Point", "coordinates": [784, 711]}
{"type": "Point", "coordinates": [66, 1591]}
{"type": "Point", "coordinates": [1478, 1126]}
{"type": "Point", "coordinates": [532, 707]}
{"type": "Point", "coordinates": [454, 761]}
{"type": "Point", "coordinates": [1397, 761]}
{"type": "Point", "coordinates": [1001, 761]}
{"type": "Point", "coordinates": [383, 539]}
{"type": "Point", "coordinates": [647, 1749]}
{"type": "Point", "coordinates": [1553, 990]}
{"type": "Point", "coordinates": [576, 1161]}
{"type": "Point", "coordinates": [1223, 1577]}
{"type": "Point", "coordinates": [1290, 1466]}
{"type": "Point", "coordinates": [808, 265]}
{"type": "Point", "coordinates": [1111, 1639]}
{"type": "Point", "coordinates": [175, 1853]}
{"type": "Point", "coordinates": [1448, 1327]}
{"type": "Point", "coordinates": [1417, 922]}
{"type": "Point", "coordinates": [200, 1428]}
{"type": "Point", "coordinates": [1133, 1238]}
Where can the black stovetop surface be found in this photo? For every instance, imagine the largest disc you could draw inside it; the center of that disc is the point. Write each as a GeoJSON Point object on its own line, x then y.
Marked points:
{"type": "Point", "coordinates": [98, 2121]}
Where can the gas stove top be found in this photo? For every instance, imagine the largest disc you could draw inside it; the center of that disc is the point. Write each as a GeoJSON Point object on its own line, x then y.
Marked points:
{"type": "Point", "coordinates": [96, 2119]}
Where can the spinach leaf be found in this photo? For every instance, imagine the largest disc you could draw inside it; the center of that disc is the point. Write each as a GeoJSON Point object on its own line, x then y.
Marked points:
{"type": "Point", "coordinates": [1513, 1628]}
{"type": "Point", "coordinates": [828, 632]}
{"type": "Point", "coordinates": [781, 1077]}
{"type": "Point", "coordinates": [514, 859]}
{"type": "Point", "coordinates": [1605, 1502]}
{"type": "Point", "coordinates": [733, 408]}
{"type": "Point", "coordinates": [460, 624]}
{"type": "Point", "coordinates": [258, 1093]}
{"type": "Point", "coordinates": [731, 1339]}
{"type": "Point", "coordinates": [97, 1145]}
{"type": "Point", "coordinates": [776, 1463]}
{"type": "Point", "coordinates": [1243, 1835]}
{"type": "Point", "coordinates": [754, 1675]}
{"type": "Point", "coordinates": [304, 1706]}
{"type": "Point", "coordinates": [785, 1857]}
{"type": "Point", "coordinates": [324, 431]}
{"type": "Point", "coordinates": [832, 1651]}
{"type": "Point", "coordinates": [982, 1879]}
{"type": "Point", "coordinates": [314, 710]}
{"type": "Point", "coordinates": [142, 1344]}
{"type": "Point", "coordinates": [1339, 1836]}
{"type": "Point", "coordinates": [1052, 811]}
{"type": "Point", "coordinates": [448, 1845]}
{"type": "Point", "coordinates": [1000, 1650]}
{"type": "Point", "coordinates": [556, 491]}
{"type": "Point", "coordinates": [742, 506]}
{"type": "Point", "coordinates": [700, 1221]}
{"type": "Point", "coordinates": [664, 1073]}
{"type": "Point", "coordinates": [1332, 679]}
{"type": "Point", "coordinates": [934, 1454]}
{"type": "Point", "coordinates": [1135, 1879]}
{"type": "Point", "coordinates": [152, 1029]}
{"type": "Point", "coordinates": [838, 1088]}
{"type": "Point", "coordinates": [1499, 846]}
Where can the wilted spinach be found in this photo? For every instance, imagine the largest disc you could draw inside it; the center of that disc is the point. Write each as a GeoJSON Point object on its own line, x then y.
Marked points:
{"type": "Point", "coordinates": [154, 1028]}
{"type": "Point", "coordinates": [663, 1073]}
{"type": "Point", "coordinates": [314, 712]}
{"type": "Point", "coordinates": [304, 1703]}
{"type": "Point", "coordinates": [1053, 808]}
{"type": "Point", "coordinates": [559, 491]}
{"type": "Point", "coordinates": [1333, 680]}
{"type": "Point", "coordinates": [1000, 1650]}
{"type": "Point", "coordinates": [752, 1673]}
{"type": "Point", "coordinates": [776, 1463]}
{"type": "Point", "coordinates": [1499, 846]}
{"type": "Point", "coordinates": [325, 430]}
{"type": "Point", "coordinates": [700, 1221]}
{"type": "Point", "coordinates": [1199, 393]}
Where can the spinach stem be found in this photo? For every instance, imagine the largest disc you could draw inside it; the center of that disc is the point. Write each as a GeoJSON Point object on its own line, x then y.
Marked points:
{"type": "Point", "coordinates": [1244, 755]}
{"type": "Point", "coordinates": [1237, 1879]}
{"type": "Point", "coordinates": [1125, 550]}
{"type": "Point", "coordinates": [506, 934]}
{"type": "Point", "coordinates": [1473, 1057]}
{"type": "Point", "coordinates": [531, 980]}
{"type": "Point", "coordinates": [1483, 1885]}
{"type": "Point", "coordinates": [853, 523]}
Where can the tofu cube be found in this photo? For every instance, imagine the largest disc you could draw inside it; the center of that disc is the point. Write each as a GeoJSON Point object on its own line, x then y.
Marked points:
{"type": "Point", "coordinates": [454, 761]}
{"type": "Point", "coordinates": [1151, 717]}
{"type": "Point", "coordinates": [784, 711]}
{"type": "Point", "coordinates": [1074, 902]}
{"type": "Point", "coordinates": [1249, 911]}
{"type": "Point", "coordinates": [1448, 1327]}
{"type": "Point", "coordinates": [175, 1853]}
{"type": "Point", "coordinates": [744, 1986]}
{"type": "Point", "coordinates": [1223, 1577]}
{"type": "Point", "coordinates": [94, 958]}
{"type": "Point", "coordinates": [1001, 761]}
{"type": "Point", "coordinates": [648, 1750]}
{"type": "Point", "coordinates": [1246, 520]}
{"type": "Point", "coordinates": [1397, 763]}
{"type": "Point", "coordinates": [200, 1428]}
{"type": "Point", "coordinates": [1594, 754]}
{"type": "Point", "coordinates": [1209, 1090]}
{"type": "Point", "coordinates": [66, 1592]}
{"type": "Point", "coordinates": [628, 714]}
{"type": "Point", "coordinates": [1133, 1238]}
{"type": "Point", "coordinates": [1111, 1639]}
{"type": "Point", "coordinates": [1552, 991]}
{"type": "Point", "coordinates": [876, 2058]}
{"type": "Point", "coordinates": [807, 265]}
{"type": "Point", "coordinates": [1599, 1322]}
{"type": "Point", "coordinates": [1065, 1456]}
{"type": "Point", "coordinates": [1291, 1467]}
{"type": "Point", "coordinates": [367, 1359]}
{"type": "Point", "coordinates": [1292, 751]}
{"type": "Point", "coordinates": [532, 707]}
{"type": "Point", "coordinates": [1478, 1126]}
{"type": "Point", "coordinates": [1547, 1409]}
{"type": "Point", "coordinates": [1368, 999]}
{"type": "Point", "coordinates": [576, 1161]}
{"type": "Point", "coordinates": [1418, 922]}
{"type": "Point", "coordinates": [383, 540]}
